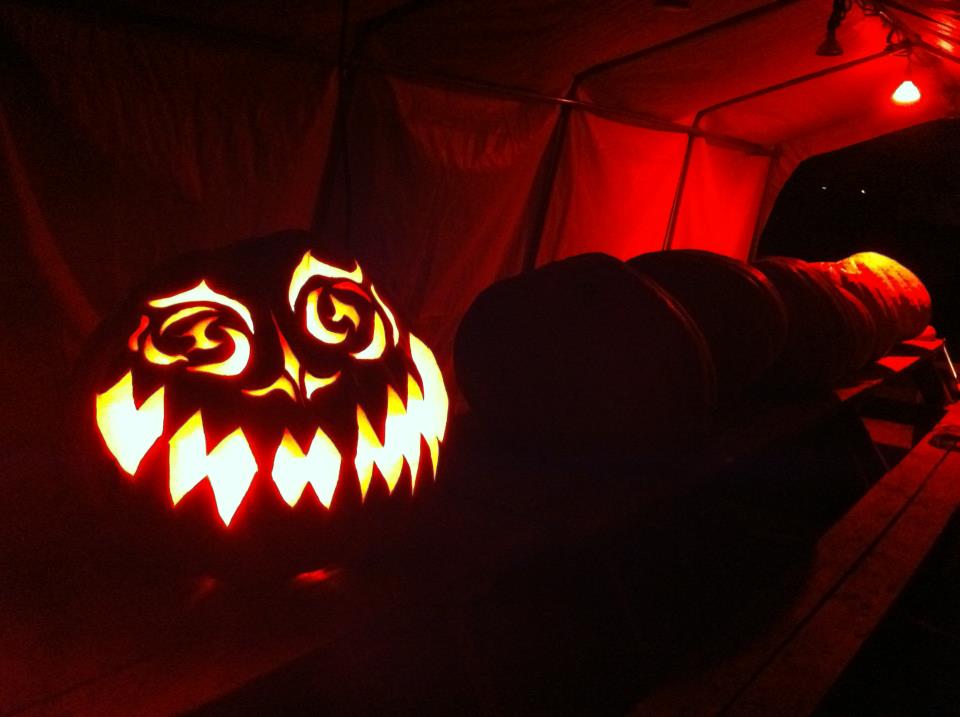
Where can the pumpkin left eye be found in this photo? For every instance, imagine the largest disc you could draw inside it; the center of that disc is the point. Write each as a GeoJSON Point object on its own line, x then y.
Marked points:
{"type": "Point", "coordinates": [205, 331]}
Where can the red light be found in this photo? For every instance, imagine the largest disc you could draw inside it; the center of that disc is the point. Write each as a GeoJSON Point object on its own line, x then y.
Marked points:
{"type": "Point", "coordinates": [906, 94]}
{"type": "Point", "coordinates": [313, 577]}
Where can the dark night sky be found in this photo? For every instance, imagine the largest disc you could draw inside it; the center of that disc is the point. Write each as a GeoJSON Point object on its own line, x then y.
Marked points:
{"type": "Point", "coordinates": [898, 194]}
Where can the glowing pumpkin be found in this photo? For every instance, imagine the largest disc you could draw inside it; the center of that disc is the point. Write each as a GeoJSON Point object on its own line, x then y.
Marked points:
{"type": "Point", "coordinates": [261, 385]}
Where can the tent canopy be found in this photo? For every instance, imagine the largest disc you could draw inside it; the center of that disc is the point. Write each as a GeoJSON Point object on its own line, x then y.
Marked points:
{"type": "Point", "coordinates": [448, 144]}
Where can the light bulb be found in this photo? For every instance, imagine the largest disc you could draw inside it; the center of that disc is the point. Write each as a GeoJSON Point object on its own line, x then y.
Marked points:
{"type": "Point", "coordinates": [906, 94]}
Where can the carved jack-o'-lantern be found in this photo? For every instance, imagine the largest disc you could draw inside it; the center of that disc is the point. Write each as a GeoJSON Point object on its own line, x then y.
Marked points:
{"type": "Point", "coordinates": [264, 378]}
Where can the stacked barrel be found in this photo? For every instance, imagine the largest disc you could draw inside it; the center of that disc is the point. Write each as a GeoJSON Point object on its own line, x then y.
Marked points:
{"type": "Point", "coordinates": [593, 351]}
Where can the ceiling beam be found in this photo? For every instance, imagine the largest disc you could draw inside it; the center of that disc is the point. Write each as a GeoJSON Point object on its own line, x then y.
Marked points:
{"type": "Point", "coordinates": [640, 54]}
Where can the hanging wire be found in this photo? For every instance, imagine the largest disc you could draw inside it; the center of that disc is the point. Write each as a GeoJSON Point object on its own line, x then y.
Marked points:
{"type": "Point", "coordinates": [899, 35]}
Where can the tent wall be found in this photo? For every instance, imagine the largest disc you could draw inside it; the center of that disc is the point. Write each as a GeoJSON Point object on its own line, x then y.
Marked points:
{"type": "Point", "coordinates": [613, 189]}
{"type": "Point", "coordinates": [722, 192]}
{"type": "Point", "coordinates": [440, 184]}
{"type": "Point", "coordinates": [123, 149]}
{"type": "Point", "coordinates": [124, 143]}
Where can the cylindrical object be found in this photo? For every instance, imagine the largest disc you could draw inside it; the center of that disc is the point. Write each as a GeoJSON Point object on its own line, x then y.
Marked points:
{"type": "Point", "coordinates": [820, 347]}
{"type": "Point", "coordinates": [875, 302]}
{"type": "Point", "coordinates": [881, 281]}
{"type": "Point", "coordinates": [583, 353]}
{"type": "Point", "coordinates": [736, 307]}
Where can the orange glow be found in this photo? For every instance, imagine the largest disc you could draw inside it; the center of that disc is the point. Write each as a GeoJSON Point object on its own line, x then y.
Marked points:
{"type": "Point", "coordinates": [312, 384]}
{"type": "Point", "coordinates": [198, 332]}
{"type": "Point", "coordinates": [401, 441]}
{"type": "Point", "coordinates": [319, 466]}
{"type": "Point", "coordinates": [315, 325]}
{"type": "Point", "coordinates": [906, 94]}
{"type": "Point", "coordinates": [313, 577]}
{"type": "Point", "coordinates": [134, 342]}
{"type": "Point", "coordinates": [154, 355]}
{"type": "Point", "coordinates": [203, 293]}
{"type": "Point", "coordinates": [310, 267]}
{"type": "Point", "coordinates": [182, 314]}
{"type": "Point", "coordinates": [341, 310]}
{"type": "Point", "coordinates": [129, 431]}
{"type": "Point", "coordinates": [378, 342]}
{"type": "Point", "coordinates": [230, 466]}
{"type": "Point", "coordinates": [425, 415]}
{"type": "Point", "coordinates": [434, 391]}
{"type": "Point", "coordinates": [235, 362]}
{"type": "Point", "coordinates": [281, 384]}
{"type": "Point", "coordinates": [390, 317]}
{"type": "Point", "coordinates": [419, 415]}
{"type": "Point", "coordinates": [291, 365]}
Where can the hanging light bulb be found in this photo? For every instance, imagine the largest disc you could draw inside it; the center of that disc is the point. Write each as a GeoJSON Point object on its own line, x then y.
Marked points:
{"type": "Point", "coordinates": [906, 94]}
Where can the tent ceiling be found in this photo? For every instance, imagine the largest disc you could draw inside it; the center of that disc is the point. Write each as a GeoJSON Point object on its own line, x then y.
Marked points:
{"type": "Point", "coordinates": [630, 56]}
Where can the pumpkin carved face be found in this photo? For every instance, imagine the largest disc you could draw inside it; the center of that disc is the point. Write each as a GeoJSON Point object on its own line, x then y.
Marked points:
{"type": "Point", "coordinates": [267, 372]}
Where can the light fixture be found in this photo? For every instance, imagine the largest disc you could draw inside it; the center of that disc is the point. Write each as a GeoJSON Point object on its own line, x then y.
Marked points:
{"type": "Point", "coordinates": [830, 47]}
{"type": "Point", "coordinates": [906, 94]}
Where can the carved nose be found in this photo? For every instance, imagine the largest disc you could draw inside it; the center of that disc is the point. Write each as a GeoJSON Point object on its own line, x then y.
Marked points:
{"type": "Point", "coordinates": [291, 364]}
{"type": "Point", "coordinates": [298, 383]}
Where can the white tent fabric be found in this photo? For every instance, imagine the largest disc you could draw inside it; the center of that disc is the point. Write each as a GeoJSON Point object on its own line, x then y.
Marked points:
{"type": "Point", "coordinates": [448, 143]}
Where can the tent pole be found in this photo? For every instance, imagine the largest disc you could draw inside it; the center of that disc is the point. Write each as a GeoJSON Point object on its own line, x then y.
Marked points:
{"type": "Point", "coordinates": [901, 25]}
{"type": "Point", "coordinates": [684, 168]}
{"type": "Point", "coordinates": [800, 79]}
{"type": "Point", "coordinates": [723, 24]}
{"type": "Point", "coordinates": [628, 117]}
{"type": "Point", "coordinates": [337, 153]}
{"type": "Point", "coordinates": [551, 166]}
{"type": "Point", "coordinates": [757, 225]}
{"type": "Point", "coordinates": [934, 50]}
{"type": "Point", "coordinates": [555, 148]}
{"type": "Point", "coordinates": [678, 192]}
{"type": "Point", "coordinates": [552, 156]}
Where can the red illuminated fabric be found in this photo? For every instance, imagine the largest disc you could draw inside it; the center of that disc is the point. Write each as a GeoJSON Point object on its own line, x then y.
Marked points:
{"type": "Point", "coordinates": [723, 191]}
{"type": "Point", "coordinates": [440, 183]}
{"type": "Point", "coordinates": [613, 191]}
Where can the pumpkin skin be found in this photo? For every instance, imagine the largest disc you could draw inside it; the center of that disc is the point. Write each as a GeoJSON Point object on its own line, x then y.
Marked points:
{"type": "Point", "coordinates": [583, 355]}
{"type": "Point", "coordinates": [820, 348]}
{"type": "Point", "coordinates": [894, 290]}
{"type": "Point", "coordinates": [876, 305]}
{"type": "Point", "coordinates": [862, 326]}
{"type": "Point", "coordinates": [736, 307]}
{"type": "Point", "coordinates": [261, 408]}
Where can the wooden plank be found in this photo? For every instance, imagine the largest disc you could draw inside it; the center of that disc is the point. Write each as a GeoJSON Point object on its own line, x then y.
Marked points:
{"type": "Point", "coordinates": [930, 345]}
{"type": "Point", "coordinates": [797, 679]}
{"type": "Point", "coordinates": [905, 357]}
{"type": "Point", "coordinates": [890, 433]}
{"type": "Point", "coordinates": [837, 555]}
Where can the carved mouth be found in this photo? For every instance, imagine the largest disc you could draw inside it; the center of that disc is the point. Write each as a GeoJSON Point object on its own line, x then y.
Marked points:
{"type": "Point", "coordinates": [130, 431]}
